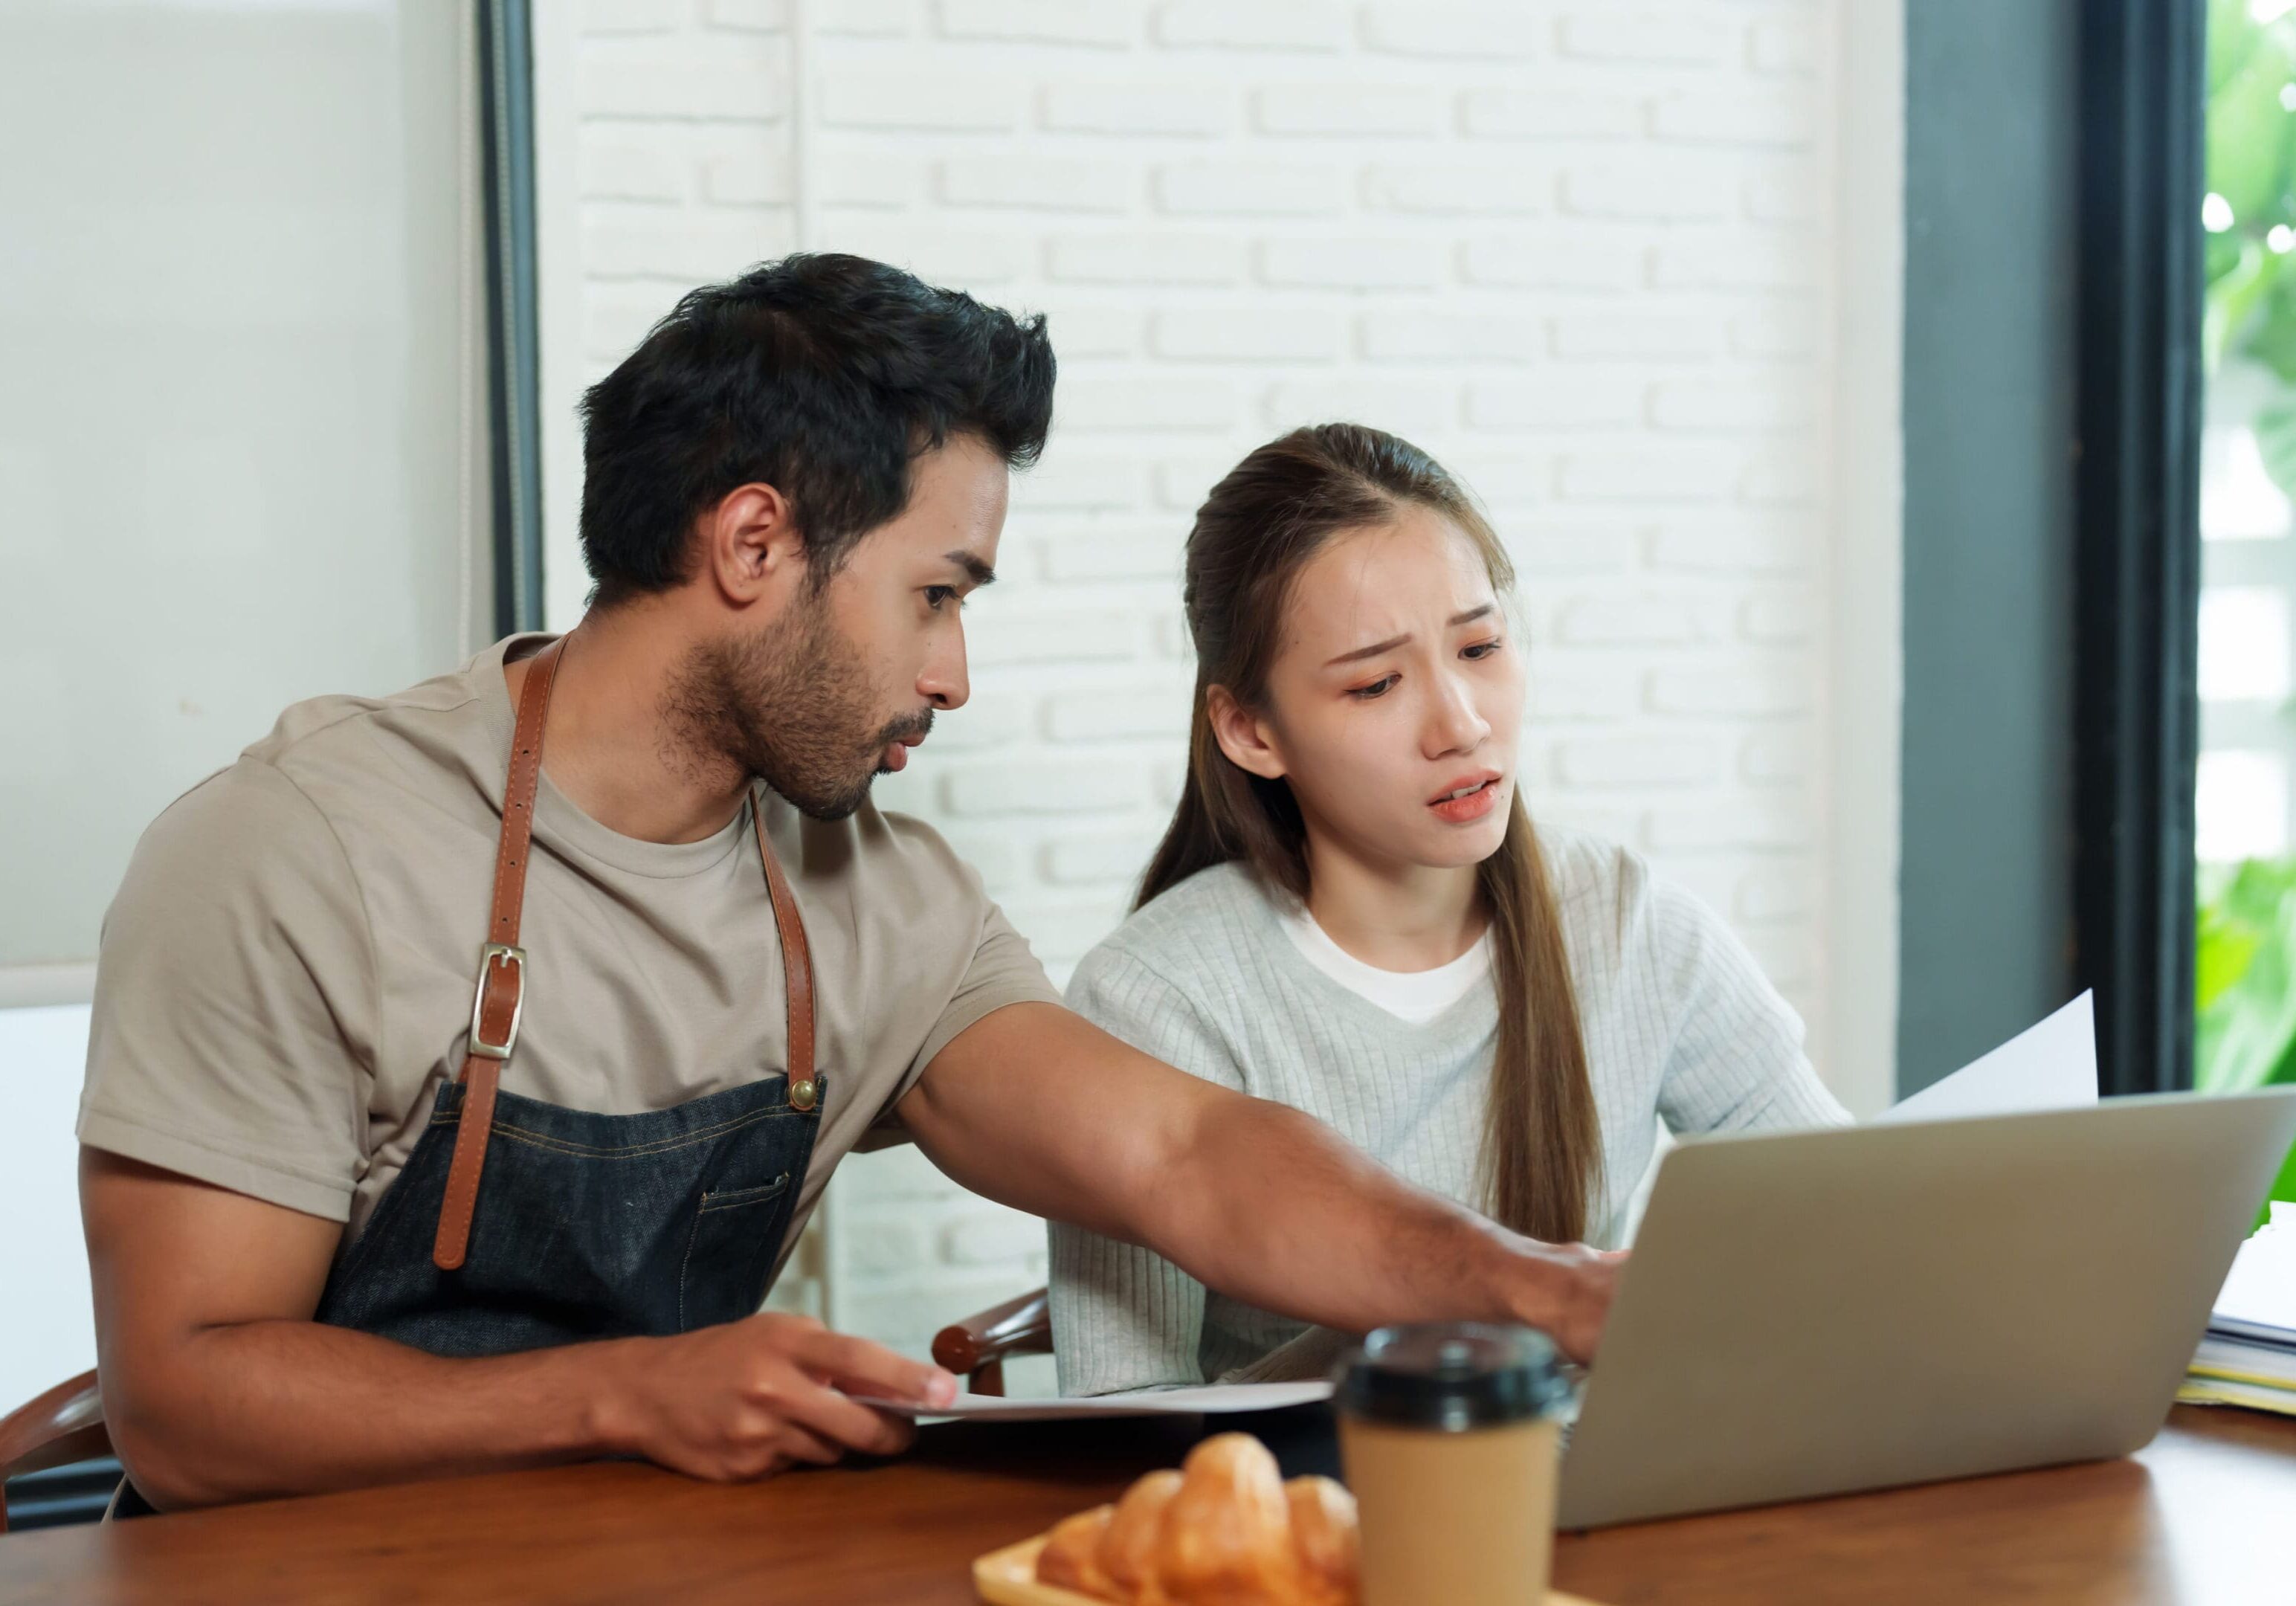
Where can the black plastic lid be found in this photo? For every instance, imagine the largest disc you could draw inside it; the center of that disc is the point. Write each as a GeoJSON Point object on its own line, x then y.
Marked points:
{"type": "Point", "coordinates": [1451, 1376]}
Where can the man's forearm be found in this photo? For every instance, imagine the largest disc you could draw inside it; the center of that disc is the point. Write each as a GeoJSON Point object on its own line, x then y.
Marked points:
{"type": "Point", "coordinates": [1269, 1206]}
{"type": "Point", "coordinates": [276, 1407]}
{"type": "Point", "coordinates": [1042, 1111]}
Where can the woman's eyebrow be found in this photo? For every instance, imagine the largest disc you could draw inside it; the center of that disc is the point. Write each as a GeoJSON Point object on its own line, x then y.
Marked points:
{"type": "Point", "coordinates": [1373, 650]}
{"type": "Point", "coordinates": [1393, 642]}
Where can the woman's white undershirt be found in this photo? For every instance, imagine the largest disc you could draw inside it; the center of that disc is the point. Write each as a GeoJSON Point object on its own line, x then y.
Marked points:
{"type": "Point", "coordinates": [1416, 997]}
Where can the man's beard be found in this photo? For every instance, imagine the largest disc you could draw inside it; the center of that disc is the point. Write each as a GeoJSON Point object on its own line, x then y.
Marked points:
{"type": "Point", "coordinates": [793, 709]}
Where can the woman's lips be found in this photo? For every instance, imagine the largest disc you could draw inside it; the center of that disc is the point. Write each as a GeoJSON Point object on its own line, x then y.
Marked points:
{"type": "Point", "coordinates": [1475, 805]}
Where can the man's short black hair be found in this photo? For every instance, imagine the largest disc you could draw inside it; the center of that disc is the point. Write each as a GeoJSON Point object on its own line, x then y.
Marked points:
{"type": "Point", "coordinates": [822, 376]}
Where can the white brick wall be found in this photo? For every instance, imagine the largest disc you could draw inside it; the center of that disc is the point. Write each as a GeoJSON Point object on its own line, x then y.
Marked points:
{"type": "Point", "coordinates": [1584, 252]}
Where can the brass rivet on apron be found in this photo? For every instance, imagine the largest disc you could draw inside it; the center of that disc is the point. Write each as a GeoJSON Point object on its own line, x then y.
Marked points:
{"type": "Point", "coordinates": [802, 1094]}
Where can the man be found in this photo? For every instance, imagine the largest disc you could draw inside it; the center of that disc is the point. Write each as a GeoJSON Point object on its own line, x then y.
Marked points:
{"type": "Point", "coordinates": [347, 1226]}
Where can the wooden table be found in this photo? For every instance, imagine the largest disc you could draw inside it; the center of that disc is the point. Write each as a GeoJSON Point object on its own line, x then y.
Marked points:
{"type": "Point", "coordinates": [2206, 1514]}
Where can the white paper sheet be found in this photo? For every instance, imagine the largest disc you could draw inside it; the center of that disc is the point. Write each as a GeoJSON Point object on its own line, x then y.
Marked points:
{"type": "Point", "coordinates": [2049, 1066]}
{"type": "Point", "coordinates": [2260, 1297]}
{"type": "Point", "coordinates": [1217, 1400]}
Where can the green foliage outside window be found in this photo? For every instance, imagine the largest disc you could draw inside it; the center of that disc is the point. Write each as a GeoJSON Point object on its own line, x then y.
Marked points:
{"type": "Point", "coordinates": [2244, 991]}
{"type": "Point", "coordinates": [2245, 983]}
{"type": "Point", "coordinates": [2251, 216]}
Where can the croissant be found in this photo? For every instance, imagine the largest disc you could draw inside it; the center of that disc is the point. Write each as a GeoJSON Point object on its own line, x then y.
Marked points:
{"type": "Point", "coordinates": [1326, 1540]}
{"type": "Point", "coordinates": [1227, 1538]}
{"type": "Point", "coordinates": [1131, 1549]}
{"type": "Point", "coordinates": [1225, 1531]}
{"type": "Point", "coordinates": [1070, 1558]}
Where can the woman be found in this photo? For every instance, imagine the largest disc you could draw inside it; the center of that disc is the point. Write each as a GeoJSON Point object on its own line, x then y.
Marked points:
{"type": "Point", "coordinates": [1352, 914]}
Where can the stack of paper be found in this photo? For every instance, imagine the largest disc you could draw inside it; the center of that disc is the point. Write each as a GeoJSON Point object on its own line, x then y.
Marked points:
{"type": "Point", "coordinates": [1212, 1400]}
{"type": "Point", "coordinates": [2249, 1355]}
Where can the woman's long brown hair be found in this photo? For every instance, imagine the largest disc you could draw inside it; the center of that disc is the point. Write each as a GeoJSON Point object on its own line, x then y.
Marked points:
{"type": "Point", "coordinates": [1542, 1156]}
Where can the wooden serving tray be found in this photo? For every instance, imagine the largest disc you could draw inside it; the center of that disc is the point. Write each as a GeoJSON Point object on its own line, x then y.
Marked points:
{"type": "Point", "coordinates": [1008, 1578]}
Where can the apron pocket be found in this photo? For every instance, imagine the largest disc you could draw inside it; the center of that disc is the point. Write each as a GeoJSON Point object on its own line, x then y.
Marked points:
{"type": "Point", "coordinates": [729, 1254]}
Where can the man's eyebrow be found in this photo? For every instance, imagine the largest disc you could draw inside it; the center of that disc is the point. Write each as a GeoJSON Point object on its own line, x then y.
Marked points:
{"type": "Point", "coordinates": [1393, 642]}
{"type": "Point", "coordinates": [983, 574]}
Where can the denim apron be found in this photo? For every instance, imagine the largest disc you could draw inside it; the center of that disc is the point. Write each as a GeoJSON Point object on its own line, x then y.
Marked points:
{"type": "Point", "coordinates": [589, 1226]}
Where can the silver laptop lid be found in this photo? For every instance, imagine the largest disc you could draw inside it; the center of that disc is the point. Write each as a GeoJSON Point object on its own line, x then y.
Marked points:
{"type": "Point", "coordinates": [1812, 1312]}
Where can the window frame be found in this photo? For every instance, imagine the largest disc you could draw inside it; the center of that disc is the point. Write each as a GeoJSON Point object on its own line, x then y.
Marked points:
{"type": "Point", "coordinates": [2137, 534]}
{"type": "Point", "coordinates": [515, 412]}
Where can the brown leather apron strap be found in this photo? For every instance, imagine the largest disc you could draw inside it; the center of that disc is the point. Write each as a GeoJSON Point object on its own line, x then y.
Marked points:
{"type": "Point", "coordinates": [501, 998]}
{"type": "Point", "coordinates": [500, 1001]}
{"type": "Point", "coordinates": [797, 972]}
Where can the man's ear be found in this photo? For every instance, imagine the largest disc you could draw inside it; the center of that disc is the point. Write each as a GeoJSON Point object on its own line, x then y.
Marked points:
{"type": "Point", "coordinates": [1244, 737]}
{"type": "Point", "coordinates": [751, 545]}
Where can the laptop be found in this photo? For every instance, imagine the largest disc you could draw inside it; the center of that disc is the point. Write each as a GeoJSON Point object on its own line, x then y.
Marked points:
{"type": "Point", "coordinates": [1815, 1313]}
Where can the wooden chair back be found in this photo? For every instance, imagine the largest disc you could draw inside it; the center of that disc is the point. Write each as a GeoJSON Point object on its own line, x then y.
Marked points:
{"type": "Point", "coordinates": [53, 1429]}
{"type": "Point", "coordinates": [977, 1347]}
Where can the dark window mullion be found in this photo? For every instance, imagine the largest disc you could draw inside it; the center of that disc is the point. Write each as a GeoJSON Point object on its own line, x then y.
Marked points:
{"type": "Point", "coordinates": [506, 97]}
{"type": "Point", "coordinates": [2137, 522]}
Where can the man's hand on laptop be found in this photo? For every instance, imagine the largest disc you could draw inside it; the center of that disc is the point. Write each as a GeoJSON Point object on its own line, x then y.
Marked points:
{"type": "Point", "coordinates": [746, 1398]}
{"type": "Point", "coordinates": [1577, 1325]}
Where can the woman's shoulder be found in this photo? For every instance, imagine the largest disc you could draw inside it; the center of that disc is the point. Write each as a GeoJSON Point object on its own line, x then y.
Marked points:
{"type": "Point", "coordinates": [1620, 914]}
{"type": "Point", "coordinates": [1594, 877]}
{"type": "Point", "coordinates": [1610, 897]}
{"type": "Point", "coordinates": [1196, 924]}
{"type": "Point", "coordinates": [1182, 978]}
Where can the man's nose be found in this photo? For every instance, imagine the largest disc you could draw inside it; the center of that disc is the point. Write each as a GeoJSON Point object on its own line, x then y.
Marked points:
{"type": "Point", "coordinates": [944, 682]}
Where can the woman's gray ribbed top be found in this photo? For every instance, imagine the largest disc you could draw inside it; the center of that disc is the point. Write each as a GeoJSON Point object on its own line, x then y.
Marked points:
{"type": "Point", "coordinates": [1679, 1021]}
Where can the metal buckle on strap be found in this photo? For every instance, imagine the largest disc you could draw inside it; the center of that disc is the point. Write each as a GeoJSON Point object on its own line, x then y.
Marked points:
{"type": "Point", "coordinates": [491, 956]}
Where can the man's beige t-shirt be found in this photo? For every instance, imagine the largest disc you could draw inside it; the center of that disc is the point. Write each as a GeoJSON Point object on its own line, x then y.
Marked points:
{"type": "Point", "coordinates": [286, 974]}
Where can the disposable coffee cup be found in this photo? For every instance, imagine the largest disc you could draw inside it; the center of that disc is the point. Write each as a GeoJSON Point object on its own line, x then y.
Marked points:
{"type": "Point", "coordinates": [1451, 1435]}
